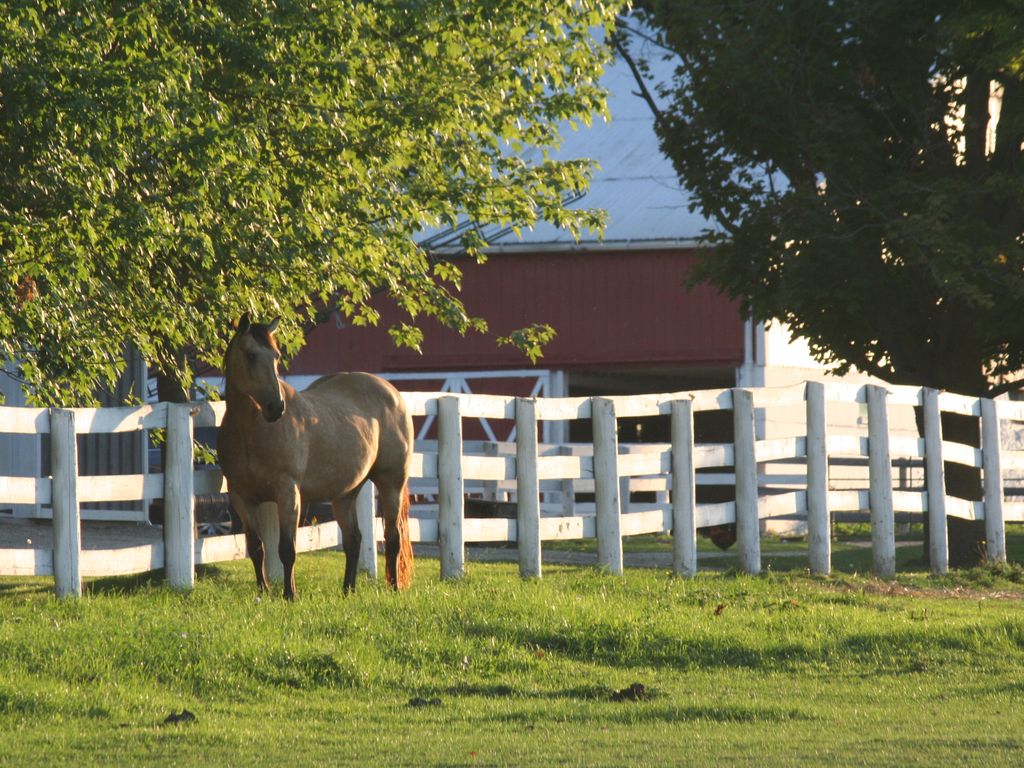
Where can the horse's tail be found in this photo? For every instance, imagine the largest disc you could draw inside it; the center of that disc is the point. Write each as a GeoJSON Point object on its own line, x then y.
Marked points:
{"type": "Point", "coordinates": [405, 563]}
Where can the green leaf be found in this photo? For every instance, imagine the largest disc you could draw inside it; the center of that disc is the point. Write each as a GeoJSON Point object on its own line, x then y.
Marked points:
{"type": "Point", "coordinates": [530, 341]}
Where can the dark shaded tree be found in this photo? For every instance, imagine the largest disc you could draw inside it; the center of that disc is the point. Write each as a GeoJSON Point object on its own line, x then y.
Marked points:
{"type": "Point", "coordinates": [862, 161]}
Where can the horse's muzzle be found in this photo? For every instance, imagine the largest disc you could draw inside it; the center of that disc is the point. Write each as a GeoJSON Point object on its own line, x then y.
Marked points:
{"type": "Point", "coordinates": [273, 410]}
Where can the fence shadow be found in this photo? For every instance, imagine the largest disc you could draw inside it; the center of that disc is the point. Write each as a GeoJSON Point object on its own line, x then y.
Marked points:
{"type": "Point", "coordinates": [140, 582]}
{"type": "Point", "coordinates": [36, 585]}
{"type": "Point", "coordinates": [120, 585]}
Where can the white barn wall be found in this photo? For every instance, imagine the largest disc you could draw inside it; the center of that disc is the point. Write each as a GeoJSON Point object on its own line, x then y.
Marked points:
{"type": "Point", "coordinates": [776, 359]}
{"type": "Point", "coordinates": [786, 361]}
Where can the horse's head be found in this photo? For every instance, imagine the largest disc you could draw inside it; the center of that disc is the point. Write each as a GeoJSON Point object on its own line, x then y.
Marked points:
{"type": "Point", "coordinates": [251, 366]}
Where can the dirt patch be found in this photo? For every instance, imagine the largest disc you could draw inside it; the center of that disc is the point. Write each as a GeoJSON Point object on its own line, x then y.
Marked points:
{"type": "Point", "coordinates": [176, 718]}
{"type": "Point", "coordinates": [635, 692]}
{"type": "Point", "coordinates": [419, 702]}
{"type": "Point", "coordinates": [893, 589]}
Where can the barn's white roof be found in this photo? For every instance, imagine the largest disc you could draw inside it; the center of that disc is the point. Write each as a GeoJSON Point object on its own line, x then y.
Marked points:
{"type": "Point", "coordinates": [635, 183]}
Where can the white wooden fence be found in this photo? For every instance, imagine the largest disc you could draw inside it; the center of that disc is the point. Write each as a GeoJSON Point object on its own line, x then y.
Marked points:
{"type": "Point", "coordinates": [823, 437]}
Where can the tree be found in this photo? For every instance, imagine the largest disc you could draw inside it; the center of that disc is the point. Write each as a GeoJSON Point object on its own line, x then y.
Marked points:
{"type": "Point", "coordinates": [169, 166]}
{"type": "Point", "coordinates": [863, 162]}
{"type": "Point", "coordinates": [863, 192]}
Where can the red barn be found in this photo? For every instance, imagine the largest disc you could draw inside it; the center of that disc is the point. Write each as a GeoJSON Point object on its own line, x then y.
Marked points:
{"type": "Point", "coordinates": [623, 319]}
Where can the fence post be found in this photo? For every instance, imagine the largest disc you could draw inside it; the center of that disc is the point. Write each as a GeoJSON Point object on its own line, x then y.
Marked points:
{"type": "Point", "coordinates": [365, 504]}
{"type": "Point", "coordinates": [935, 476]}
{"type": "Point", "coordinates": [883, 527]}
{"type": "Point", "coordinates": [568, 487]}
{"type": "Point", "coordinates": [819, 522]}
{"type": "Point", "coordinates": [624, 494]}
{"type": "Point", "coordinates": [179, 499]}
{"type": "Point", "coordinates": [684, 498]}
{"type": "Point", "coordinates": [450, 488]}
{"type": "Point", "coordinates": [527, 489]}
{"type": "Point", "coordinates": [67, 530]}
{"type": "Point", "coordinates": [606, 485]}
{"type": "Point", "coordinates": [490, 487]}
{"type": "Point", "coordinates": [991, 452]}
{"type": "Point", "coordinates": [748, 524]}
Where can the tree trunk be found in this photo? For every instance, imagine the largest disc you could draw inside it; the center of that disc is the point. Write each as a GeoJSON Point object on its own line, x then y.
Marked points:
{"type": "Point", "coordinates": [168, 384]}
{"type": "Point", "coordinates": [169, 390]}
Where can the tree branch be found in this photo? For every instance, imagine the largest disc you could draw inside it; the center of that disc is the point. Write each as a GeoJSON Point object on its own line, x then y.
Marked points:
{"type": "Point", "coordinates": [659, 116]}
{"type": "Point", "coordinates": [645, 93]}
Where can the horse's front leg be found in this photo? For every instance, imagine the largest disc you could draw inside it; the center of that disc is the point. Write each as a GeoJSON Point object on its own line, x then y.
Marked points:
{"type": "Point", "coordinates": [288, 520]}
{"type": "Point", "coordinates": [253, 543]}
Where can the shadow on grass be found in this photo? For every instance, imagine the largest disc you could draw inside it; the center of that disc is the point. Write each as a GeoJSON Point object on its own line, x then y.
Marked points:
{"type": "Point", "coordinates": [586, 692]}
{"type": "Point", "coordinates": [658, 708]}
{"type": "Point", "coordinates": [143, 582]}
{"type": "Point", "coordinates": [891, 648]}
{"type": "Point", "coordinates": [17, 587]}
{"type": "Point", "coordinates": [662, 710]}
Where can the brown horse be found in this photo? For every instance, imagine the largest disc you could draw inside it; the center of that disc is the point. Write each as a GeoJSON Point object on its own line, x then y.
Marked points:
{"type": "Point", "coordinates": [323, 444]}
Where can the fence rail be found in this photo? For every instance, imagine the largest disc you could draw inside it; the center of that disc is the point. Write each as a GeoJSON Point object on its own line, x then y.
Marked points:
{"type": "Point", "coordinates": [838, 451]}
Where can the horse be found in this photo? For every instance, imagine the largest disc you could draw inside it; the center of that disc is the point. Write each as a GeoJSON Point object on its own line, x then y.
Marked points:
{"type": "Point", "coordinates": [320, 445]}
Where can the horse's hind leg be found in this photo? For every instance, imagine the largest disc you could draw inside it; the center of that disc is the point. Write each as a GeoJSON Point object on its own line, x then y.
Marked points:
{"type": "Point", "coordinates": [351, 537]}
{"type": "Point", "coordinates": [394, 504]}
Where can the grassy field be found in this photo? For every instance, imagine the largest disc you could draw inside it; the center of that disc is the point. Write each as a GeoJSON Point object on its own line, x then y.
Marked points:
{"type": "Point", "coordinates": [781, 669]}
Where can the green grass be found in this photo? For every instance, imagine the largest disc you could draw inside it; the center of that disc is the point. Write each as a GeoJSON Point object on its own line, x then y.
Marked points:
{"type": "Point", "coordinates": [781, 669]}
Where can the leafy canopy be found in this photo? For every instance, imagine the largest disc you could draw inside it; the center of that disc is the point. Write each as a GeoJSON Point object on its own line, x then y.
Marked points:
{"type": "Point", "coordinates": [864, 191]}
{"type": "Point", "coordinates": [167, 166]}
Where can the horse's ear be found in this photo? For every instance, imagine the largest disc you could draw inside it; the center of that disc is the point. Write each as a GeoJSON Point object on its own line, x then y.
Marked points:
{"type": "Point", "coordinates": [243, 324]}
{"type": "Point", "coordinates": [272, 325]}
